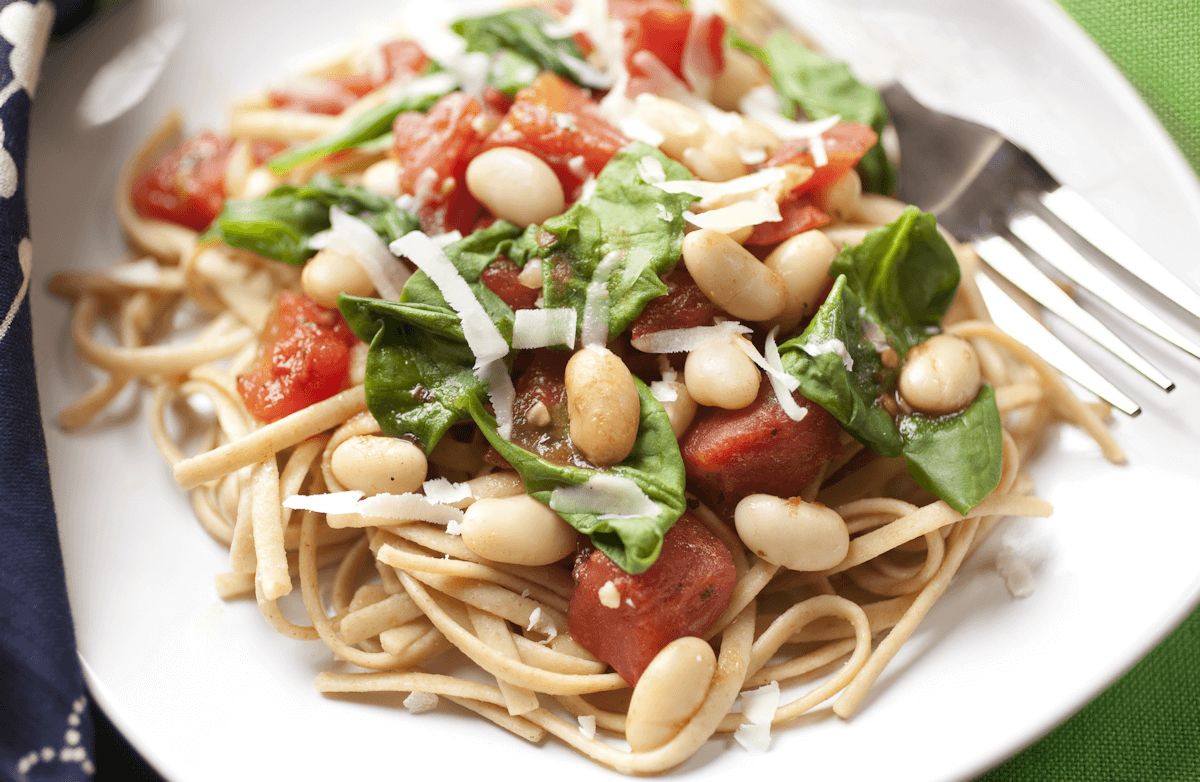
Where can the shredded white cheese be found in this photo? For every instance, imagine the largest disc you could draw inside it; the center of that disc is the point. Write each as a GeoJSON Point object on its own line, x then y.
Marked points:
{"type": "Point", "coordinates": [587, 725]}
{"type": "Point", "coordinates": [782, 384]}
{"type": "Point", "coordinates": [872, 332]}
{"type": "Point", "coordinates": [540, 623]}
{"type": "Point", "coordinates": [761, 208]}
{"type": "Point", "coordinates": [650, 169]}
{"type": "Point", "coordinates": [336, 502]}
{"type": "Point", "coordinates": [501, 393]}
{"type": "Point", "coordinates": [484, 339]}
{"type": "Point", "coordinates": [758, 710]}
{"type": "Point", "coordinates": [687, 340]}
{"type": "Point", "coordinates": [419, 702]}
{"type": "Point", "coordinates": [665, 390]}
{"type": "Point", "coordinates": [444, 491]}
{"type": "Point", "coordinates": [595, 307]}
{"type": "Point", "coordinates": [743, 185]}
{"type": "Point", "coordinates": [407, 507]}
{"type": "Point", "coordinates": [833, 345]}
{"type": "Point", "coordinates": [447, 239]}
{"type": "Point", "coordinates": [605, 495]}
{"type": "Point", "coordinates": [577, 165]}
{"type": "Point", "coordinates": [542, 328]}
{"type": "Point", "coordinates": [354, 238]}
{"type": "Point", "coordinates": [610, 596]}
{"type": "Point", "coordinates": [697, 60]}
{"type": "Point", "coordinates": [453, 528]}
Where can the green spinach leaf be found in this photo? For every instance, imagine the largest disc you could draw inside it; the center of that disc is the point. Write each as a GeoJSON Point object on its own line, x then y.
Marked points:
{"type": "Point", "coordinates": [839, 368]}
{"type": "Point", "coordinates": [280, 224]}
{"type": "Point", "coordinates": [819, 87]}
{"type": "Point", "coordinates": [906, 275]}
{"type": "Point", "coordinates": [655, 465]}
{"type": "Point", "coordinates": [363, 129]}
{"type": "Point", "coordinates": [636, 226]}
{"type": "Point", "coordinates": [419, 379]}
{"type": "Point", "coordinates": [521, 46]}
{"type": "Point", "coordinates": [957, 458]}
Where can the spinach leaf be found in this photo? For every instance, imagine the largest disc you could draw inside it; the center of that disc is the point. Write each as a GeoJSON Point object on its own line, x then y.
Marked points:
{"type": "Point", "coordinates": [280, 224]}
{"type": "Point", "coordinates": [905, 274]}
{"type": "Point", "coordinates": [471, 255]}
{"type": "Point", "coordinates": [419, 379]}
{"type": "Point", "coordinates": [655, 465]}
{"type": "Point", "coordinates": [809, 82]}
{"type": "Point", "coordinates": [521, 46]}
{"type": "Point", "coordinates": [848, 386]}
{"type": "Point", "coordinates": [364, 128]}
{"type": "Point", "coordinates": [958, 457]}
{"type": "Point", "coordinates": [627, 220]}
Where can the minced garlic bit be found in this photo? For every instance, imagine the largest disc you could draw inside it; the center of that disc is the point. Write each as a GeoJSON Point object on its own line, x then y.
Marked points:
{"type": "Point", "coordinates": [419, 702]}
{"type": "Point", "coordinates": [610, 596]}
{"type": "Point", "coordinates": [538, 414]}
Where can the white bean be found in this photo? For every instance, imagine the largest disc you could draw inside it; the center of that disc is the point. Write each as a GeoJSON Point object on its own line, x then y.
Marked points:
{"type": "Point", "coordinates": [517, 530]}
{"type": "Point", "coordinates": [741, 74]}
{"type": "Point", "coordinates": [731, 277]}
{"type": "Point", "coordinates": [841, 199]}
{"type": "Point", "coordinates": [495, 484]}
{"type": "Point", "coordinates": [383, 177]}
{"type": "Point", "coordinates": [376, 465]}
{"type": "Point", "coordinates": [602, 405]}
{"type": "Point", "coordinates": [515, 185]}
{"type": "Point", "coordinates": [941, 375]}
{"type": "Point", "coordinates": [681, 410]}
{"type": "Point", "coordinates": [719, 374]}
{"type": "Point", "coordinates": [329, 273]}
{"type": "Point", "coordinates": [802, 262]}
{"type": "Point", "coordinates": [792, 533]}
{"type": "Point", "coordinates": [669, 692]}
{"type": "Point", "coordinates": [716, 159]}
{"type": "Point", "coordinates": [680, 126]}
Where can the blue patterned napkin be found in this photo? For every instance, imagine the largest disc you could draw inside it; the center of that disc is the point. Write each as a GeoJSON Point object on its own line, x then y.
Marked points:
{"type": "Point", "coordinates": [45, 727]}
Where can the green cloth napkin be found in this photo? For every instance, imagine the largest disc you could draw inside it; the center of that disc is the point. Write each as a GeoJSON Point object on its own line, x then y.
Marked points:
{"type": "Point", "coordinates": [1147, 725]}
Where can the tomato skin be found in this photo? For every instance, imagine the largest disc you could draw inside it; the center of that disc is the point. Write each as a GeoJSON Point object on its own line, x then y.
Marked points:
{"type": "Point", "coordinates": [402, 57]}
{"type": "Point", "coordinates": [558, 121]}
{"type": "Point", "coordinates": [661, 28]}
{"type": "Point", "coordinates": [442, 141]}
{"type": "Point", "coordinates": [731, 454]}
{"type": "Point", "coordinates": [502, 277]}
{"type": "Point", "coordinates": [303, 357]}
{"type": "Point", "coordinates": [683, 306]}
{"type": "Point", "coordinates": [187, 187]}
{"type": "Point", "coordinates": [681, 594]}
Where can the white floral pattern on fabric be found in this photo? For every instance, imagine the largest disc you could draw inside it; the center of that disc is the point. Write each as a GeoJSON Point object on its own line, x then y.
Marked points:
{"type": "Point", "coordinates": [69, 752]}
{"type": "Point", "coordinates": [25, 260]}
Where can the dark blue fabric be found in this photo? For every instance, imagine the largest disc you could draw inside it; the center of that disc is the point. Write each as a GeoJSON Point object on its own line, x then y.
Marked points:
{"type": "Point", "coordinates": [45, 725]}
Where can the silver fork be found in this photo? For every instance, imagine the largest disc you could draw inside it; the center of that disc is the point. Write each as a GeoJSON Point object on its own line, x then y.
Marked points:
{"type": "Point", "coordinates": [987, 190]}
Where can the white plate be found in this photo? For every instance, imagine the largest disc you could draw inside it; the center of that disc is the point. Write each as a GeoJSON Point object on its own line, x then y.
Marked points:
{"type": "Point", "coordinates": [208, 691]}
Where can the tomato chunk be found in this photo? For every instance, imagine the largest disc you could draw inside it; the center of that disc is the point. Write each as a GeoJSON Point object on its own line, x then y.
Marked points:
{"type": "Point", "coordinates": [433, 150]}
{"type": "Point", "coordinates": [683, 306]}
{"type": "Point", "coordinates": [799, 215]}
{"type": "Point", "coordinates": [186, 187]}
{"type": "Point", "coordinates": [558, 121]}
{"type": "Point", "coordinates": [540, 421]}
{"type": "Point", "coordinates": [402, 57]}
{"type": "Point", "coordinates": [661, 28]}
{"type": "Point", "coordinates": [730, 454]}
{"type": "Point", "coordinates": [502, 277]}
{"type": "Point", "coordinates": [303, 357]}
{"type": "Point", "coordinates": [845, 145]}
{"type": "Point", "coordinates": [681, 594]}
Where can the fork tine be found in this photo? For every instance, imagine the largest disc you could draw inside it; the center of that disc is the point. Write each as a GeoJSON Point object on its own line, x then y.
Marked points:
{"type": "Point", "coordinates": [1044, 240]}
{"type": "Point", "coordinates": [1009, 262]}
{"type": "Point", "coordinates": [1092, 226]}
{"type": "Point", "coordinates": [1011, 317]}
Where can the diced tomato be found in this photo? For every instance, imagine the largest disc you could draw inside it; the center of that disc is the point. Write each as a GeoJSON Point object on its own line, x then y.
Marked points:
{"type": "Point", "coordinates": [433, 150]}
{"type": "Point", "coordinates": [681, 594]}
{"type": "Point", "coordinates": [661, 28]}
{"type": "Point", "coordinates": [546, 434]}
{"type": "Point", "coordinates": [731, 454]}
{"type": "Point", "coordinates": [303, 357]}
{"type": "Point", "coordinates": [496, 100]}
{"type": "Point", "coordinates": [188, 185]}
{"type": "Point", "coordinates": [684, 306]}
{"type": "Point", "coordinates": [558, 121]}
{"type": "Point", "coordinates": [502, 277]}
{"type": "Point", "coordinates": [328, 95]}
{"type": "Point", "coordinates": [845, 145]}
{"type": "Point", "coordinates": [403, 58]}
{"type": "Point", "coordinates": [799, 215]}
